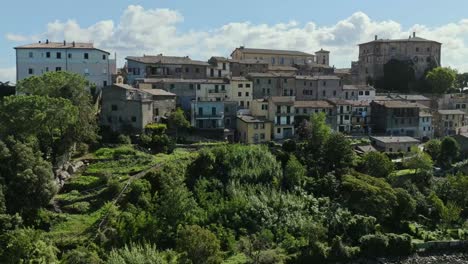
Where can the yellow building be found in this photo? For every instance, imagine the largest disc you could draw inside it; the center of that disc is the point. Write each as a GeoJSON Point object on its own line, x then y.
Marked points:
{"type": "Point", "coordinates": [253, 130]}
{"type": "Point", "coordinates": [448, 122]}
{"type": "Point", "coordinates": [241, 92]}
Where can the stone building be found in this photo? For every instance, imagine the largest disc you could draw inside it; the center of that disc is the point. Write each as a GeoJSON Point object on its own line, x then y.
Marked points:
{"type": "Point", "coordinates": [304, 109]}
{"type": "Point", "coordinates": [375, 54]}
{"type": "Point", "coordinates": [247, 66]}
{"type": "Point", "coordinates": [81, 58]}
{"type": "Point", "coordinates": [280, 111]}
{"type": "Point", "coordinates": [395, 118]}
{"type": "Point", "coordinates": [241, 91]}
{"type": "Point", "coordinates": [130, 109]}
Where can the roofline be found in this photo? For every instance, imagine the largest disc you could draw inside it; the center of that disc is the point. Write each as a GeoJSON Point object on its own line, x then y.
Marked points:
{"type": "Point", "coordinates": [69, 48]}
{"type": "Point", "coordinates": [304, 53]}
{"type": "Point", "coordinates": [127, 58]}
{"type": "Point", "coordinates": [396, 40]}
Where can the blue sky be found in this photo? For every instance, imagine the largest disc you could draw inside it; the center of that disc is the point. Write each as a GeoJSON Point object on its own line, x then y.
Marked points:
{"type": "Point", "coordinates": [28, 20]}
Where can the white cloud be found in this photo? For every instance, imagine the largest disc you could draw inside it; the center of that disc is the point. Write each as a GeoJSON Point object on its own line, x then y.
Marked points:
{"type": "Point", "coordinates": [153, 31]}
{"type": "Point", "coordinates": [8, 74]}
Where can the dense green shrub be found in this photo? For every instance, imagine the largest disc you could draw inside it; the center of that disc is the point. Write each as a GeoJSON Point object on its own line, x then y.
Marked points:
{"type": "Point", "coordinates": [78, 207]}
{"type": "Point", "coordinates": [399, 245]}
{"type": "Point", "coordinates": [124, 139]}
{"type": "Point", "coordinates": [374, 245]}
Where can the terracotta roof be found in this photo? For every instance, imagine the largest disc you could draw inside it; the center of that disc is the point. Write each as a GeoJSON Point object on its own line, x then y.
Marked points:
{"type": "Point", "coordinates": [281, 68]}
{"type": "Point", "coordinates": [158, 92]}
{"type": "Point", "coordinates": [359, 103]}
{"type": "Point", "coordinates": [340, 102]}
{"type": "Point", "coordinates": [60, 45]}
{"type": "Point", "coordinates": [252, 119]}
{"type": "Point", "coordinates": [358, 87]}
{"type": "Point", "coordinates": [412, 39]}
{"type": "Point", "coordinates": [176, 80]}
{"type": "Point", "coordinates": [322, 51]}
{"type": "Point", "coordinates": [219, 58]}
{"type": "Point", "coordinates": [248, 61]}
{"type": "Point", "coordinates": [398, 104]}
{"type": "Point", "coordinates": [124, 86]}
{"type": "Point", "coordinates": [283, 99]}
{"type": "Point", "coordinates": [451, 112]}
{"type": "Point", "coordinates": [312, 104]}
{"type": "Point", "coordinates": [273, 51]}
{"type": "Point", "coordinates": [396, 139]}
{"type": "Point", "coordinates": [239, 78]}
{"type": "Point", "coordinates": [160, 59]}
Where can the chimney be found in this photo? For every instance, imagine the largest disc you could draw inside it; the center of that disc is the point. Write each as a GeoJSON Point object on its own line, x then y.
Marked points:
{"type": "Point", "coordinates": [64, 43]}
{"type": "Point", "coordinates": [47, 41]}
{"type": "Point", "coordinates": [241, 47]}
{"type": "Point", "coordinates": [39, 42]}
{"type": "Point", "coordinates": [73, 43]}
{"type": "Point", "coordinates": [375, 37]}
{"type": "Point", "coordinates": [414, 34]}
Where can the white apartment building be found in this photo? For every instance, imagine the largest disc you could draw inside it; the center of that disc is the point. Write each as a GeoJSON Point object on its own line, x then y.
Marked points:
{"type": "Point", "coordinates": [80, 58]}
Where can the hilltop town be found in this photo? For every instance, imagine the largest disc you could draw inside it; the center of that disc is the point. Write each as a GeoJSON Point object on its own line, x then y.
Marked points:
{"type": "Point", "coordinates": [266, 156]}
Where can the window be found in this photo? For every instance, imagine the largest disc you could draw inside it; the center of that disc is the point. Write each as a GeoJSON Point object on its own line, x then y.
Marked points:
{"type": "Point", "coordinates": [346, 117]}
{"type": "Point", "coordinates": [109, 119]}
{"type": "Point", "coordinates": [224, 66]}
{"type": "Point", "coordinates": [285, 80]}
{"type": "Point", "coordinates": [304, 111]}
{"type": "Point", "coordinates": [334, 93]}
{"type": "Point", "coordinates": [104, 83]}
{"type": "Point", "coordinates": [255, 126]}
{"type": "Point", "coordinates": [262, 135]}
{"type": "Point", "coordinates": [191, 86]}
{"type": "Point", "coordinates": [133, 118]}
{"type": "Point", "coordinates": [272, 60]}
{"type": "Point", "coordinates": [240, 85]}
{"type": "Point", "coordinates": [367, 93]}
{"type": "Point", "coordinates": [69, 55]}
{"type": "Point", "coordinates": [457, 106]}
{"type": "Point", "coordinates": [324, 83]}
{"type": "Point", "coordinates": [47, 69]}
{"type": "Point", "coordinates": [323, 92]}
{"type": "Point", "coordinates": [264, 107]}
{"type": "Point", "coordinates": [30, 55]}
{"type": "Point", "coordinates": [417, 49]}
{"type": "Point", "coordinates": [288, 109]}
{"type": "Point", "coordinates": [269, 81]}
{"type": "Point", "coordinates": [282, 61]}
{"type": "Point", "coordinates": [31, 71]}
{"type": "Point", "coordinates": [114, 107]}
{"type": "Point", "coordinates": [213, 111]}
{"type": "Point", "coordinates": [246, 93]}
{"type": "Point", "coordinates": [58, 68]}
{"type": "Point", "coordinates": [223, 87]}
{"type": "Point", "coordinates": [197, 70]}
{"type": "Point", "coordinates": [48, 54]}
{"type": "Point", "coordinates": [239, 94]}
{"type": "Point", "coordinates": [58, 55]}
{"type": "Point", "coordinates": [86, 56]}
{"type": "Point", "coordinates": [247, 85]}
{"type": "Point", "coordinates": [241, 103]}
{"type": "Point", "coordinates": [104, 57]}
{"type": "Point", "coordinates": [187, 69]}
{"type": "Point", "coordinates": [258, 81]}
{"type": "Point", "coordinates": [361, 93]}
{"type": "Point", "coordinates": [278, 130]}
{"type": "Point", "coordinates": [172, 86]}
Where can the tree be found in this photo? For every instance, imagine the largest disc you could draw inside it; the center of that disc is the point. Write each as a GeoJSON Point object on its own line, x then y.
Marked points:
{"type": "Point", "coordinates": [338, 155]}
{"type": "Point", "coordinates": [26, 246]}
{"type": "Point", "coordinates": [141, 254]}
{"type": "Point", "coordinates": [432, 147]}
{"type": "Point", "coordinates": [377, 164]}
{"type": "Point", "coordinates": [81, 255]}
{"type": "Point", "coordinates": [398, 75]}
{"type": "Point", "coordinates": [441, 79]}
{"type": "Point", "coordinates": [70, 86]}
{"type": "Point", "coordinates": [461, 80]}
{"type": "Point", "coordinates": [29, 181]}
{"type": "Point", "coordinates": [449, 151]}
{"type": "Point", "coordinates": [199, 245]}
{"type": "Point", "coordinates": [418, 160]}
{"type": "Point", "coordinates": [177, 120]}
{"type": "Point", "coordinates": [51, 120]}
{"type": "Point", "coordinates": [294, 173]}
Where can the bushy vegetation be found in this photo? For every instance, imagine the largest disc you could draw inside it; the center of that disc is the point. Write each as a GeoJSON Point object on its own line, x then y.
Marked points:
{"type": "Point", "coordinates": [309, 200]}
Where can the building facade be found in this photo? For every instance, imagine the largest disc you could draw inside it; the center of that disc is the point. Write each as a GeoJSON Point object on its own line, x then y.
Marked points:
{"type": "Point", "coordinates": [448, 122]}
{"type": "Point", "coordinates": [373, 55]}
{"type": "Point", "coordinates": [394, 143]}
{"type": "Point", "coordinates": [159, 66]}
{"type": "Point", "coordinates": [253, 130]}
{"type": "Point", "coordinates": [241, 92]}
{"type": "Point", "coordinates": [125, 108]}
{"type": "Point", "coordinates": [395, 118]}
{"type": "Point", "coordinates": [80, 58]}
{"type": "Point", "coordinates": [273, 57]}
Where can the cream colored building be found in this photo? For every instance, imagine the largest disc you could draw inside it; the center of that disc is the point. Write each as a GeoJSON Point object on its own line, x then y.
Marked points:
{"type": "Point", "coordinates": [241, 91]}
{"type": "Point", "coordinates": [448, 122]}
{"type": "Point", "coordinates": [394, 144]}
{"type": "Point", "coordinates": [280, 111]}
{"type": "Point", "coordinates": [273, 57]}
{"type": "Point", "coordinates": [253, 130]}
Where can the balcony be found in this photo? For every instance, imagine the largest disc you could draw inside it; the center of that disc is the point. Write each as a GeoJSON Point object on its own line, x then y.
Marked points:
{"type": "Point", "coordinates": [216, 91]}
